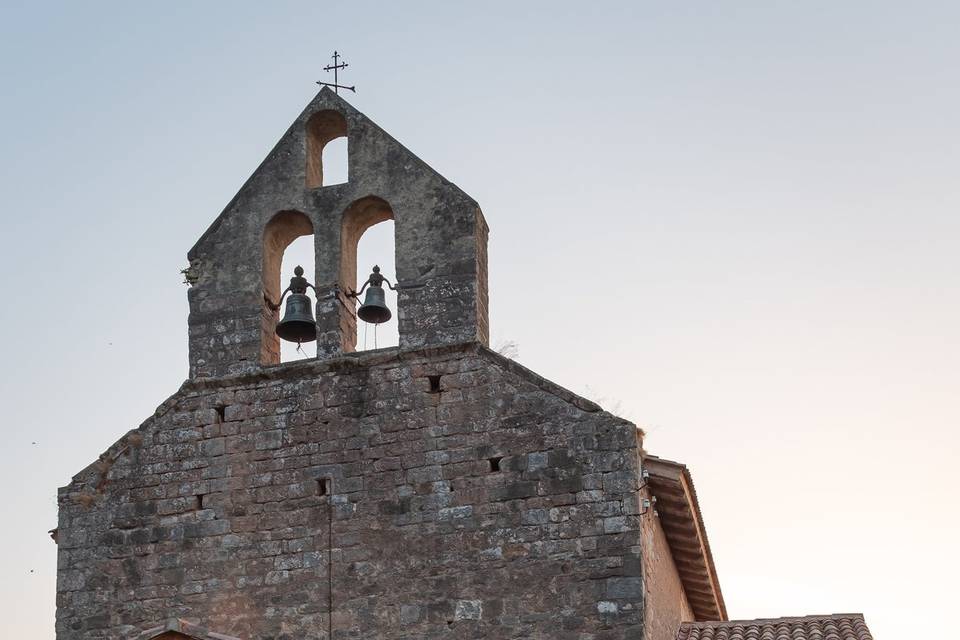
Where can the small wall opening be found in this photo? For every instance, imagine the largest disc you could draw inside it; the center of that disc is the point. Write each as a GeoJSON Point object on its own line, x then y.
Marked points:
{"type": "Point", "coordinates": [327, 152]}
{"type": "Point", "coordinates": [367, 238]}
{"type": "Point", "coordinates": [323, 486]}
{"type": "Point", "coordinates": [287, 243]}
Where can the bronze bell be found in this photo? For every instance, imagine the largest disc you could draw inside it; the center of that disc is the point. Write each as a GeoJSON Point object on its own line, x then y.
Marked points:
{"type": "Point", "coordinates": [374, 308]}
{"type": "Point", "coordinates": [298, 324]}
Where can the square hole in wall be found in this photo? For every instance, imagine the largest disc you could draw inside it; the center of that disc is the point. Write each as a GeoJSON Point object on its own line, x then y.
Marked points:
{"type": "Point", "coordinates": [324, 486]}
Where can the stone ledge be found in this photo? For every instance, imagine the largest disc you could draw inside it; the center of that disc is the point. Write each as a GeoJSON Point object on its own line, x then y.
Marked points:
{"type": "Point", "coordinates": [365, 359]}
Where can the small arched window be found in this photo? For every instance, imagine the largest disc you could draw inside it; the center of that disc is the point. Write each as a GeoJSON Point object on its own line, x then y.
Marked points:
{"type": "Point", "coordinates": [300, 253]}
{"type": "Point", "coordinates": [279, 234]}
{"type": "Point", "coordinates": [327, 153]}
{"type": "Point", "coordinates": [377, 248]}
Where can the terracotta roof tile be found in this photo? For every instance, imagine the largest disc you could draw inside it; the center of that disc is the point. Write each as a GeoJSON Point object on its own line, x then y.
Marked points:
{"type": "Point", "coordinates": [839, 626]}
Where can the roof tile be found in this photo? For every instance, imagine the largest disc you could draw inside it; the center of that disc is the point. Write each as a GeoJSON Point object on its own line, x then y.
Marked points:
{"type": "Point", "coordinates": [838, 626]}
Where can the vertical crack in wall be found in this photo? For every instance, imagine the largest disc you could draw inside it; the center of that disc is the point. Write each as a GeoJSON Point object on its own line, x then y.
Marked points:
{"type": "Point", "coordinates": [329, 483]}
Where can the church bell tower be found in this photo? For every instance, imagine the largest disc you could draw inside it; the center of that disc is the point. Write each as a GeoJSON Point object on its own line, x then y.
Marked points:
{"type": "Point", "coordinates": [441, 239]}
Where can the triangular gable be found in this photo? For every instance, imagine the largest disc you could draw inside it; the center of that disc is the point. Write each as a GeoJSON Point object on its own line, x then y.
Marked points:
{"type": "Point", "coordinates": [292, 141]}
{"type": "Point", "coordinates": [176, 629]}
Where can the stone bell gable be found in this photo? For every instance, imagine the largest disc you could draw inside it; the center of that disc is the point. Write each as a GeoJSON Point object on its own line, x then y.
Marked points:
{"type": "Point", "coordinates": [440, 241]}
{"type": "Point", "coordinates": [444, 492]}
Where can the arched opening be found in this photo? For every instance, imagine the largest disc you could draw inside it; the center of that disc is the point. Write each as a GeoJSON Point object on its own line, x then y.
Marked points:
{"type": "Point", "coordinates": [326, 149]}
{"type": "Point", "coordinates": [376, 247]}
{"type": "Point", "coordinates": [334, 161]}
{"type": "Point", "coordinates": [367, 239]}
{"type": "Point", "coordinates": [300, 253]}
{"type": "Point", "coordinates": [280, 235]}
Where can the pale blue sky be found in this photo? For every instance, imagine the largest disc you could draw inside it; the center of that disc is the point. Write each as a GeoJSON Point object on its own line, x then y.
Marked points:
{"type": "Point", "coordinates": [733, 222]}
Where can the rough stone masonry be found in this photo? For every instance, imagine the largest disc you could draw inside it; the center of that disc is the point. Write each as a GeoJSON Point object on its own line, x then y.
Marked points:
{"type": "Point", "coordinates": [433, 490]}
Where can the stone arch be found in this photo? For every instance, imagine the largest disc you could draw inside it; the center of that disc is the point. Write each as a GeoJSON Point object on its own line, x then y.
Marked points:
{"type": "Point", "coordinates": [282, 229]}
{"type": "Point", "coordinates": [322, 127]}
{"type": "Point", "coordinates": [359, 216]}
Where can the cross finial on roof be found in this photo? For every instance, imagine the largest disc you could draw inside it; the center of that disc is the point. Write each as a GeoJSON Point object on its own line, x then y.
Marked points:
{"type": "Point", "coordinates": [335, 67]}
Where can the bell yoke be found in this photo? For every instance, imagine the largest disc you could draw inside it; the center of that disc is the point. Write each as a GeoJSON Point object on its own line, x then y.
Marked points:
{"type": "Point", "coordinates": [298, 324]}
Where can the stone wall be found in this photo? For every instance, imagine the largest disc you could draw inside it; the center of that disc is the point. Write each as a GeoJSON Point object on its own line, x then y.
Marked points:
{"type": "Point", "coordinates": [435, 493]}
{"type": "Point", "coordinates": [665, 601]}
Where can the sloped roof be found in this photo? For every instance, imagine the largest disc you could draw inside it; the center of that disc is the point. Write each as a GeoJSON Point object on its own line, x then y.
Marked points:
{"type": "Point", "coordinates": [679, 514]}
{"type": "Point", "coordinates": [837, 626]}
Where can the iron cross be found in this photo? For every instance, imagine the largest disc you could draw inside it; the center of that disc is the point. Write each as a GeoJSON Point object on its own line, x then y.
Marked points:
{"type": "Point", "coordinates": [335, 67]}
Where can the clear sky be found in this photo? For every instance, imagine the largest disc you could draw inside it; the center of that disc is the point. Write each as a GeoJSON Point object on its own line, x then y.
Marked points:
{"type": "Point", "coordinates": [734, 223]}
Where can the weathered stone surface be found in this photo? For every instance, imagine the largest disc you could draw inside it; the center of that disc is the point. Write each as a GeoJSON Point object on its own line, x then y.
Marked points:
{"type": "Point", "coordinates": [435, 490]}
{"type": "Point", "coordinates": [346, 494]}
